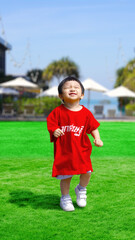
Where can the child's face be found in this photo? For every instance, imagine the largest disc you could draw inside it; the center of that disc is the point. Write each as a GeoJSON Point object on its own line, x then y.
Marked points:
{"type": "Point", "coordinates": [71, 92]}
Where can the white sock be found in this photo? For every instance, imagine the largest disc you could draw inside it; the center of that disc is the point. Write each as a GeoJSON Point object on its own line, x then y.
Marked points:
{"type": "Point", "coordinates": [65, 196]}
{"type": "Point", "coordinates": [80, 187]}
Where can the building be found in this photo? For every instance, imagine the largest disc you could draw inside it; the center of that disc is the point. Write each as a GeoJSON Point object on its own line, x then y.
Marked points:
{"type": "Point", "coordinates": [3, 47]}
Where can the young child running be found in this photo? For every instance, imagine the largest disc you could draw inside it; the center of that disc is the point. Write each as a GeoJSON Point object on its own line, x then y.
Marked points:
{"type": "Point", "coordinates": [68, 125]}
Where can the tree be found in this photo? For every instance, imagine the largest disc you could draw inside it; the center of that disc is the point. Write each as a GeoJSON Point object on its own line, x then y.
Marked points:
{"type": "Point", "coordinates": [126, 77]}
{"type": "Point", "coordinates": [36, 76]}
{"type": "Point", "coordinates": [120, 78]}
{"type": "Point", "coordinates": [61, 68]}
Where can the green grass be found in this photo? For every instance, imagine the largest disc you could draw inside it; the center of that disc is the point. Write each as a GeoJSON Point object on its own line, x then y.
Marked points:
{"type": "Point", "coordinates": [29, 196]}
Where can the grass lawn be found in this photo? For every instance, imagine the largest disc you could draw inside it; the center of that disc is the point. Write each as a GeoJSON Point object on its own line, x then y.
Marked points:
{"type": "Point", "coordinates": [29, 196]}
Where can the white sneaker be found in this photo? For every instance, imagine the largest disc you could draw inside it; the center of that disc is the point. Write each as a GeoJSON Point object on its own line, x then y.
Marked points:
{"type": "Point", "coordinates": [66, 204]}
{"type": "Point", "coordinates": [81, 197]}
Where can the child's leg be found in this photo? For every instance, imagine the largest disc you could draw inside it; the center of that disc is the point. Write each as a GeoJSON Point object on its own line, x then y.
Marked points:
{"type": "Point", "coordinates": [65, 185]}
{"type": "Point", "coordinates": [66, 201]}
{"type": "Point", "coordinates": [84, 179]}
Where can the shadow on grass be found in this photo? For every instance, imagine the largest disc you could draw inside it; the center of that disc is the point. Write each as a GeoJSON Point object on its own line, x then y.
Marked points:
{"type": "Point", "coordinates": [24, 198]}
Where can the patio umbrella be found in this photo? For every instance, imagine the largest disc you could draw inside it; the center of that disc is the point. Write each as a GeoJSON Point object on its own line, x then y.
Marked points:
{"type": "Point", "coordinates": [22, 84]}
{"type": "Point", "coordinates": [89, 84]}
{"type": "Point", "coordinates": [8, 91]}
{"type": "Point", "coordinates": [52, 92]}
{"type": "Point", "coordinates": [120, 92]}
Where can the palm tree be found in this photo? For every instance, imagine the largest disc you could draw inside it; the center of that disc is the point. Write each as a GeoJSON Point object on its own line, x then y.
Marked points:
{"type": "Point", "coordinates": [126, 77]}
{"type": "Point", "coordinates": [61, 68]}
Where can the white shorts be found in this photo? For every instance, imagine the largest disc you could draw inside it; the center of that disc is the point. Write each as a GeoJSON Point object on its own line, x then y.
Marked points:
{"type": "Point", "coordinates": [65, 176]}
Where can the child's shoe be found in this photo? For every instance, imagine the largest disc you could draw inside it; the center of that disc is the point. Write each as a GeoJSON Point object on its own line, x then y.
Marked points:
{"type": "Point", "coordinates": [81, 196]}
{"type": "Point", "coordinates": [66, 203]}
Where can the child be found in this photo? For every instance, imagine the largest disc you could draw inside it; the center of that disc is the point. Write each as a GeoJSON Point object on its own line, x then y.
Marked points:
{"type": "Point", "coordinates": [68, 126]}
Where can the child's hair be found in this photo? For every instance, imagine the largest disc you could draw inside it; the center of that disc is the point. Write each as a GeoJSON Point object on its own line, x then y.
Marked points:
{"type": "Point", "coordinates": [67, 79]}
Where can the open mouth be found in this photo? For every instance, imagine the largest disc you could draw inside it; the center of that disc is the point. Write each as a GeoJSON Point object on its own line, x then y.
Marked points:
{"type": "Point", "coordinates": [72, 94]}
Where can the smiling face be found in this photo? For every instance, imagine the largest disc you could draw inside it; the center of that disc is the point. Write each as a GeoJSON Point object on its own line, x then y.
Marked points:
{"type": "Point", "coordinates": [71, 92]}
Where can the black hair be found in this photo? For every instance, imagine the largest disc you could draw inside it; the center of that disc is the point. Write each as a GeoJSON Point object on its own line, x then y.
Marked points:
{"type": "Point", "coordinates": [67, 79]}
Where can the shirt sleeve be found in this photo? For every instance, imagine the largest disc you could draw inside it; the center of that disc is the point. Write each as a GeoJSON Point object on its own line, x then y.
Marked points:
{"type": "Point", "coordinates": [52, 124]}
{"type": "Point", "coordinates": [92, 123]}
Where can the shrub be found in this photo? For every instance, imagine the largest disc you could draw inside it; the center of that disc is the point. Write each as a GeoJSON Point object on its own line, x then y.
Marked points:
{"type": "Point", "coordinates": [42, 106]}
{"type": "Point", "coordinates": [130, 109]}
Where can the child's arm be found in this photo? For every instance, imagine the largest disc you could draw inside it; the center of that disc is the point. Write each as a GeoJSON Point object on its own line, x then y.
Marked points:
{"type": "Point", "coordinates": [96, 136]}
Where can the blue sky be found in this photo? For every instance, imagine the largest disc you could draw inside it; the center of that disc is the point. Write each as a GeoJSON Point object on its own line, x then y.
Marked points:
{"type": "Point", "coordinates": [97, 34]}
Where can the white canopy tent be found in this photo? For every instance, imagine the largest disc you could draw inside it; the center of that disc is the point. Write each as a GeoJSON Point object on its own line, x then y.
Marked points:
{"type": "Point", "coordinates": [120, 92]}
{"type": "Point", "coordinates": [51, 92]}
{"type": "Point", "coordinates": [21, 84]}
{"type": "Point", "coordinates": [89, 84]}
{"type": "Point", "coordinates": [8, 91]}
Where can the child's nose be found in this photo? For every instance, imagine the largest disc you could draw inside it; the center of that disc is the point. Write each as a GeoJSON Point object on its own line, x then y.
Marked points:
{"type": "Point", "coordinates": [72, 88]}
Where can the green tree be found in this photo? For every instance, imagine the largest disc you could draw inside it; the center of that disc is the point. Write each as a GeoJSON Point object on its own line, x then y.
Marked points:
{"type": "Point", "coordinates": [120, 78]}
{"type": "Point", "coordinates": [61, 68]}
{"type": "Point", "coordinates": [126, 77]}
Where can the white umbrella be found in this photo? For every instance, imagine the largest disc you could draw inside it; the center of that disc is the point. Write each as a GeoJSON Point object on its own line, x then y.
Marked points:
{"type": "Point", "coordinates": [21, 84]}
{"type": "Point", "coordinates": [90, 84]}
{"type": "Point", "coordinates": [51, 92]}
{"type": "Point", "coordinates": [120, 92]}
{"type": "Point", "coordinates": [8, 91]}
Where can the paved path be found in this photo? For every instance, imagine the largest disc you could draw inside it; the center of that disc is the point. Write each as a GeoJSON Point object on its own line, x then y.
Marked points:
{"type": "Point", "coordinates": [42, 119]}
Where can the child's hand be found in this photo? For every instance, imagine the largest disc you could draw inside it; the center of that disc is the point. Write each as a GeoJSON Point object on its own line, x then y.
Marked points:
{"type": "Point", "coordinates": [58, 132]}
{"type": "Point", "coordinates": [98, 143]}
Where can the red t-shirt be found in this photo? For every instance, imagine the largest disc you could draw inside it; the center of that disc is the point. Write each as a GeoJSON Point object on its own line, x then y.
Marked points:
{"type": "Point", "coordinates": [72, 150]}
